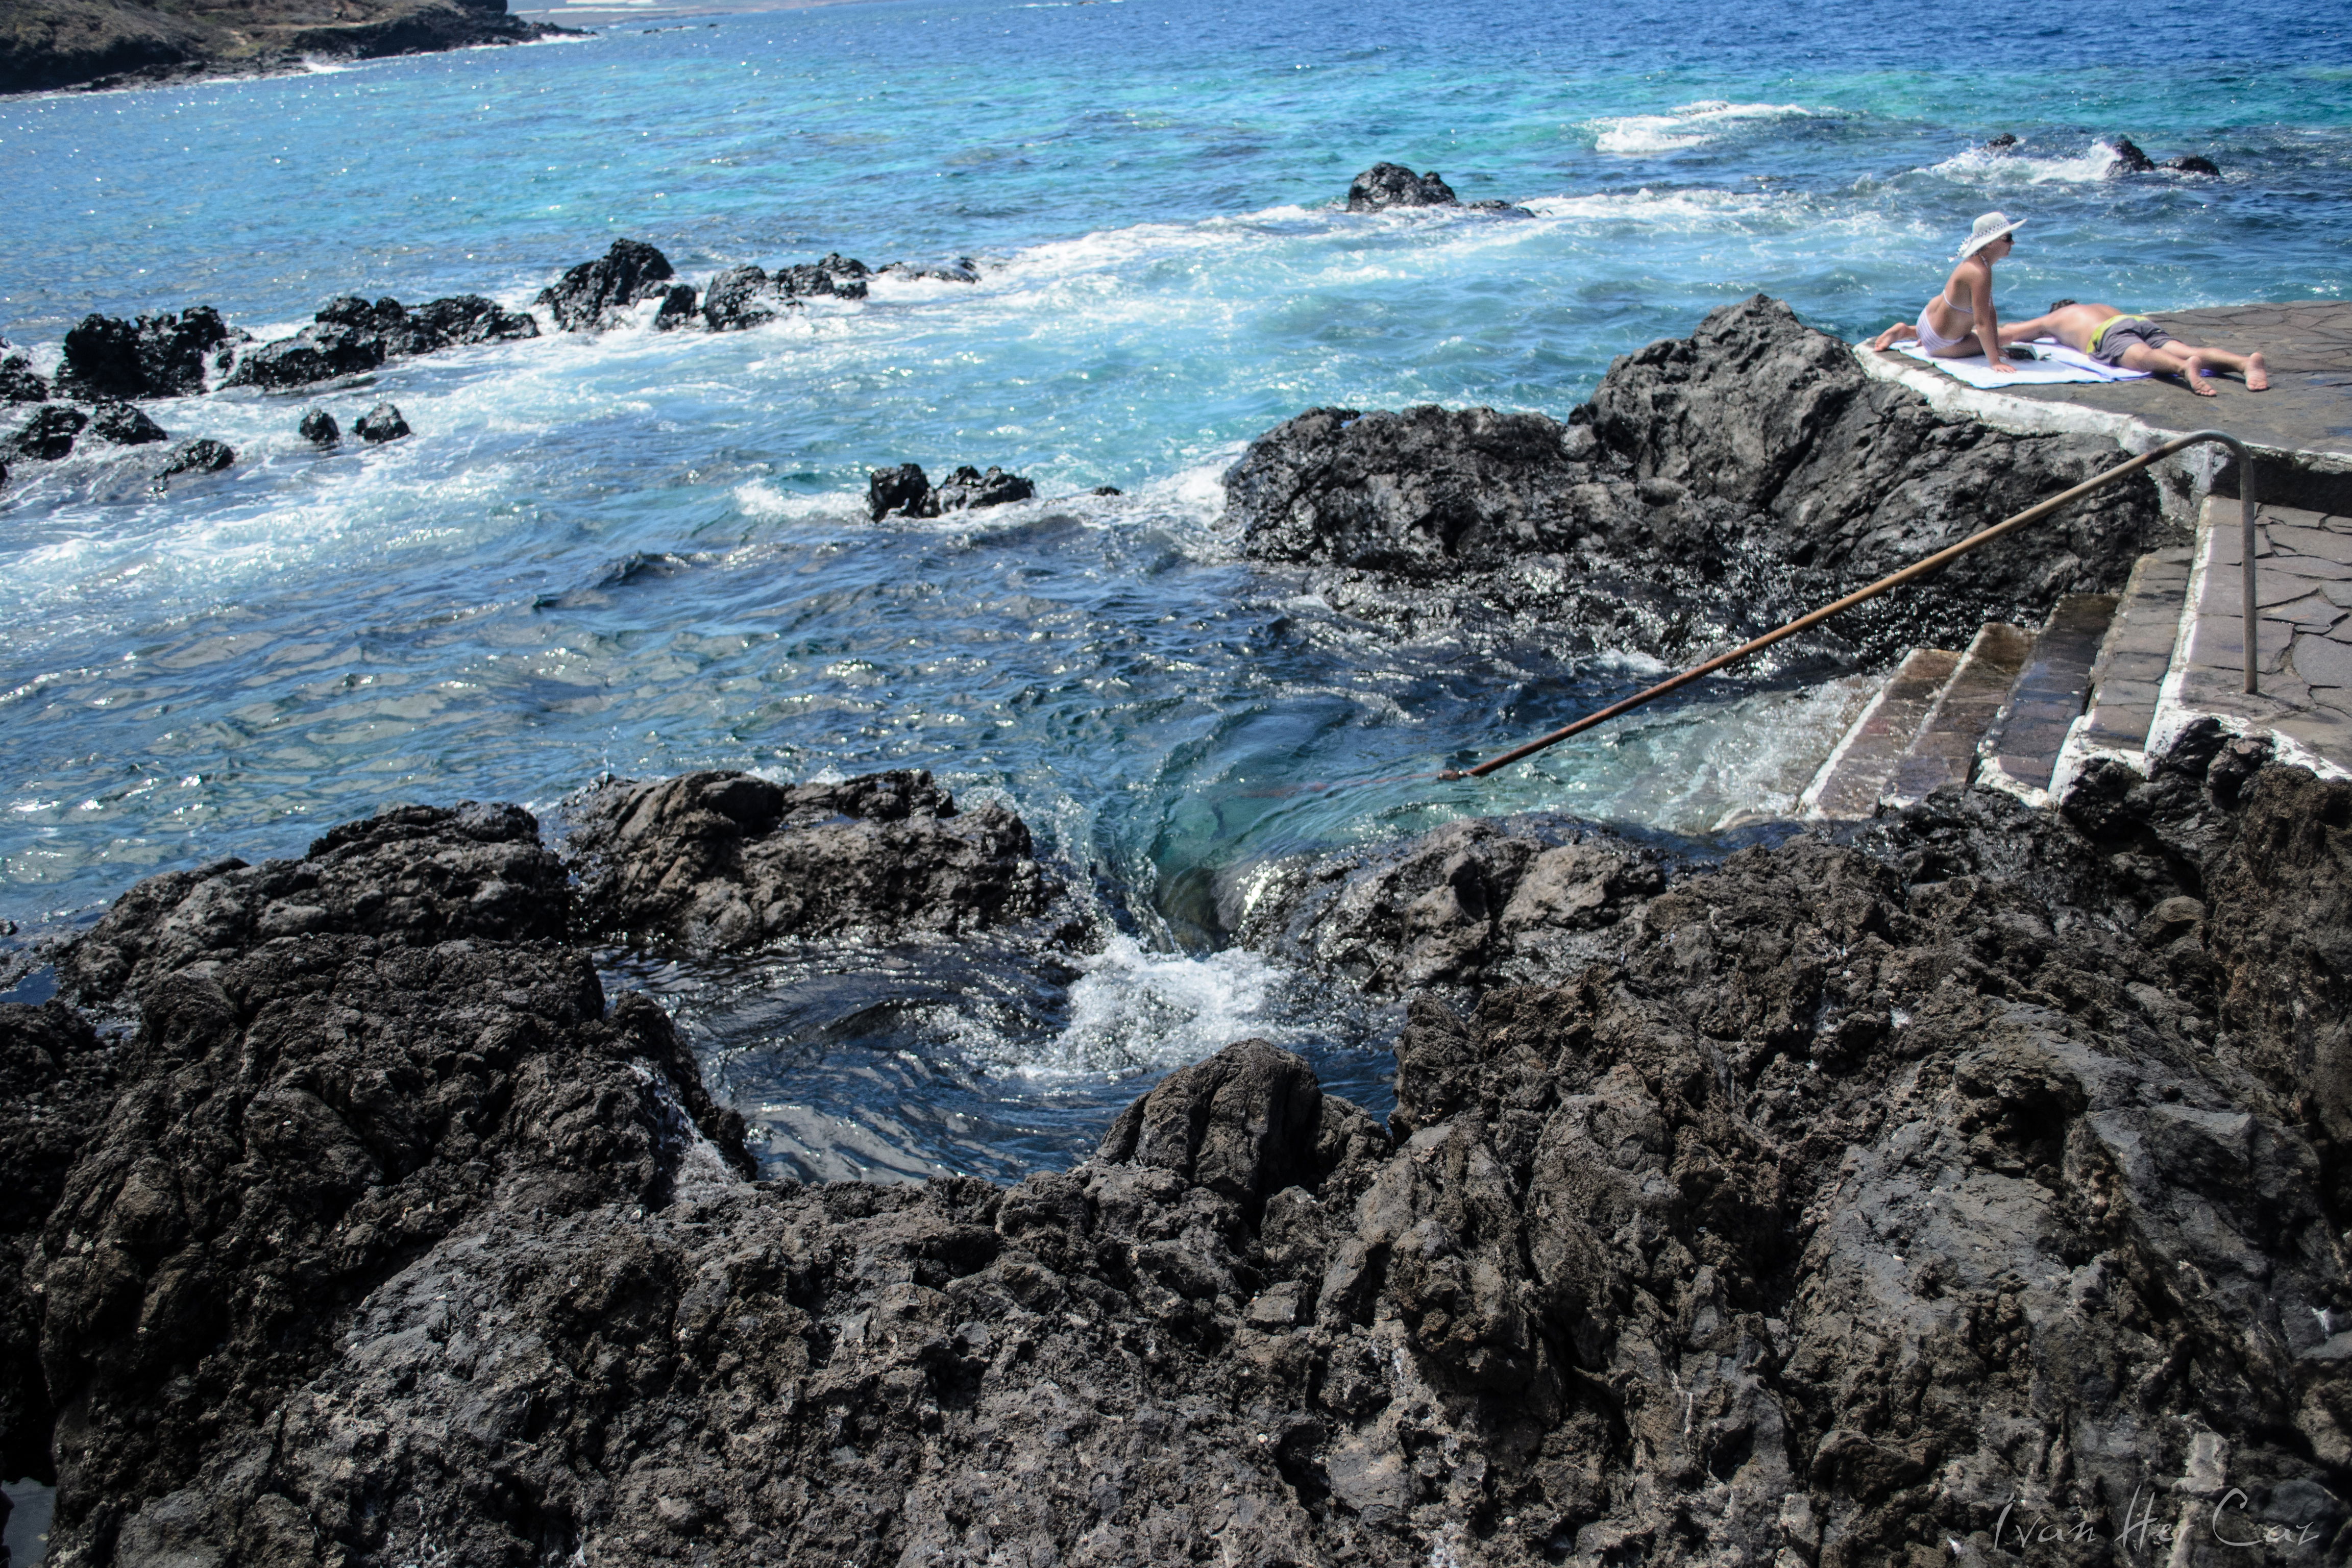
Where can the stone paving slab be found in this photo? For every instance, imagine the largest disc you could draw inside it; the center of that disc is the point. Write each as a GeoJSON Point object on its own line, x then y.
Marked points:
{"type": "Point", "coordinates": [2128, 681]}
{"type": "Point", "coordinates": [2302, 638]}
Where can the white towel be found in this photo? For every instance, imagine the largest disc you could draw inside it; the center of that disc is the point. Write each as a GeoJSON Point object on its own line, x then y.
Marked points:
{"type": "Point", "coordinates": [2053, 362]}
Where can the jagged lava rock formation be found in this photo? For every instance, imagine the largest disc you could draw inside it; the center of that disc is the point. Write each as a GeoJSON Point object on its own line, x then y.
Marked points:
{"type": "Point", "coordinates": [1714, 487]}
{"type": "Point", "coordinates": [729, 859]}
{"type": "Point", "coordinates": [1845, 1195]}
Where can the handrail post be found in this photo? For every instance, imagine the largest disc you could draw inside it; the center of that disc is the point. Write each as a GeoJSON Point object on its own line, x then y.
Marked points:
{"type": "Point", "coordinates": [2033, 513]}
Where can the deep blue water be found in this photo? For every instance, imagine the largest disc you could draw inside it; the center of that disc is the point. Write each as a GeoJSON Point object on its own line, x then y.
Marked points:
{"type": "Point", "coordinates": [1151, 188]}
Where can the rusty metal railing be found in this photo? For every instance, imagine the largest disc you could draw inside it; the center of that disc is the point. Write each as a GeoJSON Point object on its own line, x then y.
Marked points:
{"type": "Point", "coordinates": [2035, 513]}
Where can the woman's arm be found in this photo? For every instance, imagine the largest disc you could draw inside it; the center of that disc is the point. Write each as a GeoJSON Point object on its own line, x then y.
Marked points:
{"type": "Point", "coordinates": [1988, 323]}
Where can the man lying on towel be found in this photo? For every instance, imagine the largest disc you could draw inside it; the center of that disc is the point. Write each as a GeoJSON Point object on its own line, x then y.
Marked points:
{"type": "Point", "coordinates": [2135, 343]}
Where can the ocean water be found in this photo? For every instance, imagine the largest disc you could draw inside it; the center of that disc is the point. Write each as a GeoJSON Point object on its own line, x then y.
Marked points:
{"type": "Point", "coordinates": [643, 554]}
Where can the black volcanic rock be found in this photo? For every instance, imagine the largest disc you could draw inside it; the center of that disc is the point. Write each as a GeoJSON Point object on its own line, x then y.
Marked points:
{"type": "Point", "coordinates": [2190, 163]}
{"type": "Point", "coordinates": [160, 355]}
{"type": "Point", "coordinates": [968, 488]}
{"type": "Point", "coordinates": [124, 425]}
{"type": "Point", "coordinates": [49, 434]}
{"type": "Point", "coordinates": [381, 423]}
{"type": "Point", "coordinates": [677, 307]}
{"type": "Point", "coordinates": [740, 298]}
{"type": "Point", "coordinates": [2129, 158]}
{"type": "Point", "coordinates": [318, 428]}
{"type": "Point", "coordinates": [201, 455]}
{"type": "Point", "coordinates": [1799, 1223]}
{"type": "Point", "coordinates": [19, 383]}
{"type": "Point", "coordinates": [1715, 486]}
{"type": "Point", "coordinates": [907, 491]}
{"type": "Point", "coordinates": [588, 296]}
{"type": "Point", "coordinates": [351, 336]}
{"type": "Point", "coordinates": [56, 1080]}
{"type": "Point", "coordinates": [729, 860]}
{"type": "Point", "coordinates": [1394, 185]}
{"type": "Point", "coordinates": [832, 274]}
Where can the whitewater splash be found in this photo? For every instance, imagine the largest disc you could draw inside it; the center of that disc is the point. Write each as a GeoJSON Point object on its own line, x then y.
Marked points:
{"type": "Point", "coordinates": [1688, 125]}
{"type": "Point", "coordinates": [2004, 166]}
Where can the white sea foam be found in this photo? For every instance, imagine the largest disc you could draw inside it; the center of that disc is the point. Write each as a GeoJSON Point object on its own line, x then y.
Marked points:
{"type": "Point", "coordinates": [1689, 125]}
{"type": "Point", "coordinates": [1989, 166]}
{"type": "Point", "coordinates": [1134, 1011]}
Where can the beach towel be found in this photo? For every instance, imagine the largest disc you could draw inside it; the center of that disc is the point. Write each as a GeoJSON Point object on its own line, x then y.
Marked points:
{"type": "Point", "coordinates": [2053, 363]}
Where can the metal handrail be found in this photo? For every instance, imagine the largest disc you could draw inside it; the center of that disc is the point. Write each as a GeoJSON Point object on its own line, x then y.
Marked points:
{"type": "Point", "coordinates": [1919, 569]}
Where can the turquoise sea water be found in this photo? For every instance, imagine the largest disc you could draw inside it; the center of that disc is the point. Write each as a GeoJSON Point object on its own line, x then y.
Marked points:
{"type": "Point", "coordinates": [647, 554]}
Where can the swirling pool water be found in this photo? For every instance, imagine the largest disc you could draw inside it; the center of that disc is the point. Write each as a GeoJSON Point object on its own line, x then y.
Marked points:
{"type": "Point", "coordinates": [639, 554]}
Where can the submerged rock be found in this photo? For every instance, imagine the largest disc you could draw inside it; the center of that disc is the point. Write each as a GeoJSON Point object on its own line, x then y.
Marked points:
{"type": "Point", "coordinates": [2129, 158]}
{"type": "Point", "coordinates": [351, 336]}
{"type": "Point", "coordinates": [48, 434]}
{"type": "Point", "coordinates": [908, 491]}
{"type": "Point", "coordinates": [201, 455]}
{"type": "Point", "coordinates": [729, 860]}
{"type": "Point", "coordinates": [588, 296]}
{"type": "Point", "coordinates": [19, 383]}
{"type": "Point", "coordinates": [2190, 163]}
{"type": "Point", "coordinates": [124, 425]}
{"type": "Point", "coordinates": [1394, 185]}
{"type": "Point", "coordinates": [318, 428]}
{"type": "Point", "coordinates": [160, 355]}
{"type": "Point", "coordinates": [381, 423]}
{"type": "Point", "coordinates": [963, 270]}
{"type": "Point", "coordinates": [1715, 486]}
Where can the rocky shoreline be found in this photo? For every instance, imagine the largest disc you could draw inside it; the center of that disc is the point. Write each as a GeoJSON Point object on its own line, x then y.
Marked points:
{"type": "Point", "coordinates": [1809, 1205]}
{"type": "Point", "coordinates": [1971, 1185]}
{"type": "Point", "coordinates": [48, 45]}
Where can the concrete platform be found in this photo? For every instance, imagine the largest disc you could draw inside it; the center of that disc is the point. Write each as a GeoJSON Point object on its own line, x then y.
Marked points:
{"type": "Point", "coordinates": [2303, 638]}
{"type": "Point", "coordinates": [2300, 429]}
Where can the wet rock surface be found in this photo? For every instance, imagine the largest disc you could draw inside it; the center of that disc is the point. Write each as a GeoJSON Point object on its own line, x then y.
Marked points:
{"type": "Point", "coordinates": [160, 355]}
{"type": "Point", "coordinates": [591, 295]}
{"type": "Point", "coordinates": [1714, 487]}
{"type": "Point", "coordinates": [124, 425]}
{"type": "Point", "coordinates": [963, 270]}
{"type": "Point", "coordinates": [731, 860]}
{"type": "Point", "coordinates": [907, 491]}
{"type": "Point", "coordinates": [20, 382]}
{"type": "Point", "coordinates": [201, 455]}
{"type": "Point", "coordinates": [745, 297]}
{"type": "Point", "coordinates": [48, 434]}
{"type": "Point", "coordinates": [381, 423]}
{"type": "Point", "coordinates": [318, 428]}
{"type": "Point", "coordinates": [1848, 1195]}
{"type": "Point", "coordinates": [1393, 185]}
{"type": "Point", "coordinates": [352, 336]}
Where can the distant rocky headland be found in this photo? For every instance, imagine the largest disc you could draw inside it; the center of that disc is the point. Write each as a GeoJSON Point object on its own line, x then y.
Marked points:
{"type": "Point", "coordinates": [50, 44]}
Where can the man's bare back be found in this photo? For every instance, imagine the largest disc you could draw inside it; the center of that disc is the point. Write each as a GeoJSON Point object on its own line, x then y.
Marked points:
{"type": "Point", "coordinates": [2135, 343]}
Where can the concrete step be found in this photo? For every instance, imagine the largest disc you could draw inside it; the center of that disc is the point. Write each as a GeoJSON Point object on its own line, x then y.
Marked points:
{"type": "Point", "coordinates": [1849, 784]}
{"type": "Point", "coordinates": [2128, 677]}
{"type": "Point", "coordinates": [2020, 753]}
{"type": "Point", "coordinates": [1944, 751]}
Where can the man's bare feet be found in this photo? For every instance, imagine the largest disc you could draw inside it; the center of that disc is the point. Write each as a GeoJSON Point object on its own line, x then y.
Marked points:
{"type": "Point", "coordinates": [2258, 374]}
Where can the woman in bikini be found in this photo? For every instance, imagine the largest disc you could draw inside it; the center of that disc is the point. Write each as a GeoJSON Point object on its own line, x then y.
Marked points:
{"type": "Point", "coordinates": [1964, 311]}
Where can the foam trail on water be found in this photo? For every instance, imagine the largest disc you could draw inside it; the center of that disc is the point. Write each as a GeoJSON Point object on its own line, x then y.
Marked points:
{"type": "Point", "coordinates": [1688, 125]}
{"type": "Point", "coordinates": [1135, 1011]}
{"type": "Point", "coordinates": [1989, 166]}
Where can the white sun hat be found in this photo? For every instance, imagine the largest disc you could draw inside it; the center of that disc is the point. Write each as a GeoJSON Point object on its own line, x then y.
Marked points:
{"type": "Point", "coordinates": [1990, 228]}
